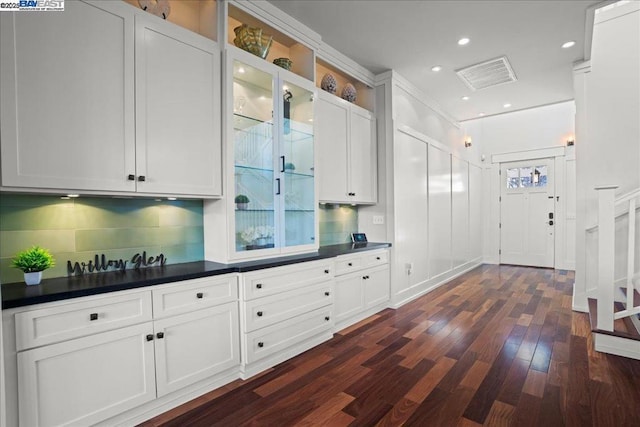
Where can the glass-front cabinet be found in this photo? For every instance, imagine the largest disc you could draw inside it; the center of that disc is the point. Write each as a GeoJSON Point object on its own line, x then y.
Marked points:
{"type": "Point", "coordinates": [274, 188]}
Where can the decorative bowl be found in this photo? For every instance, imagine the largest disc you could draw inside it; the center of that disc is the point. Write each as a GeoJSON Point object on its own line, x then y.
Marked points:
{"type": "Point", "coordinates": [285, 63]}
{"type": "Point", "coordinates": [252, 40]}
{"type": "Point", "coordinates": [349, 92]}
{"type": "Point", "coordinates": [329, 83]}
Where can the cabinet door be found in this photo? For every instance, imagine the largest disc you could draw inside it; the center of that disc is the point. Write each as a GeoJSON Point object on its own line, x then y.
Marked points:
{"type": "Point", "coordinates": [362, 157]}
{"type": "Point", "coordinates": [376, 286]}
{"type": "Point", "coordinates": [349, 296]}
{"type": "Point", "coordinates": [195, 346]}
{"type": "Point", "coordinates": [178, 148]}
{"type": "Point", "coordinates": [87, 380]}
{"type": "Point", "coordinates": [331, 136]}
{"type": "Point", "coordinates": [67, 98]}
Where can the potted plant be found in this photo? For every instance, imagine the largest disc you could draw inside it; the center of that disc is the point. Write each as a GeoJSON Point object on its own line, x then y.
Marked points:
{"type": "Point", "coordinates": [33, 262]}
{"type": "Point", "coordinates": [289, 167]}
{"type": "Point", "coordinates": [242, 202]}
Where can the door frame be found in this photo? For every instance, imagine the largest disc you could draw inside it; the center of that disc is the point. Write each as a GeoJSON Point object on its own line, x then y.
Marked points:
{"type": "Point", "coordinates": [493, 180]}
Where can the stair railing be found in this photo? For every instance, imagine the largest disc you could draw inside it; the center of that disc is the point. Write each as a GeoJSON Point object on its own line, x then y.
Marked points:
{"type": "Point", "coordinates": [608, 210]}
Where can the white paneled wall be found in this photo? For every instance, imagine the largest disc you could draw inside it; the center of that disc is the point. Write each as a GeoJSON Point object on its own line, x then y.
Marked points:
{"type": "Point", "coordinates": [460, 212]}
{"type": "Point", "coordinates": [440, 256]}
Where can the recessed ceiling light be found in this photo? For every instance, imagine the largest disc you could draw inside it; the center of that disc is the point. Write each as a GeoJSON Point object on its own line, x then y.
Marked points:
{"type": "Point", "coordinates": [465, 98]}
{"type": "Point", "coordinates": [507, 105]}
{"type": "Point", "coordinates": [73, 196]}
{"type": "Point", "coordinates": [481, 114]}
{"type": "Point", "coordinates": [172, 198]}
{"type": "Point", "coordinates": [463, 41]}
{"type": "Point", "coordinates": [568, 44]}
{"type": "Point", "coordinates": [436, 68]}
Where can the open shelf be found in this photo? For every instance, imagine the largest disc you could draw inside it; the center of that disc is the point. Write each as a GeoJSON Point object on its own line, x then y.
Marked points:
{"type": "Point", "coordinates": [283, 46]}
{"type": "Point", "coordinates": [365, 95]}
{"type": "Point", "coordinates": [198, 16]}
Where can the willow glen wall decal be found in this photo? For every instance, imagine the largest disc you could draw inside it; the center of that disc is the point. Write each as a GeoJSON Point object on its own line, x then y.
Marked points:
{"type": "Point", "coordinates": [101, 263]}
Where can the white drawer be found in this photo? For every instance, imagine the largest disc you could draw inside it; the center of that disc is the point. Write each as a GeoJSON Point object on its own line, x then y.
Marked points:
{"type": "Point", "coordinates": [271, 281]}
{"type": "Point", "coordinates": [348, 263]}
{"type": "Point", "coordinates": [87, 317]}
{"type": "Point", "coordinates": [263, 312]}
{"type": "Point", "coordinates": [189, 295]}
{"type": "Point", "coordinates": [275, 338]}
{"type": "Point", "coordinates": [371, 259]}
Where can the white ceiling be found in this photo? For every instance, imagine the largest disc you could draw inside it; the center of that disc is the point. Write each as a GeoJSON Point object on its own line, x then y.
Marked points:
{"type": "Point", "coordinates": [412, 36]}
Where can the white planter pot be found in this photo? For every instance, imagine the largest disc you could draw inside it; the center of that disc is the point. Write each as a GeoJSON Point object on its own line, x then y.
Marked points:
{"type": "Point", "coordinates": [33, 278]}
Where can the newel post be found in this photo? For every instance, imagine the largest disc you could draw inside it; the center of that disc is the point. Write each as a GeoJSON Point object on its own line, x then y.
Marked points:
{"type": "Point", "coordinates": [606, 250]}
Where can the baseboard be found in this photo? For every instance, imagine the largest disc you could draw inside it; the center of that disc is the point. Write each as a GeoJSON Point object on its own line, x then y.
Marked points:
{"type": "Point", "coordinates": [360, 316]}
{"type": "Point", "coordinates": [429, 285]}
{"type": "Point", "coordinates": [616, 345]}
{"type": "Point", "coordinates": [163, 404]}
{"type": "Point", "coordinates": [579, 302]}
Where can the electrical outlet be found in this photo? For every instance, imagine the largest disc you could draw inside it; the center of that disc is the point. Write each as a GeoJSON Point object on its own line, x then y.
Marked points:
{"type": "Point", "coordinates": [378, 219]}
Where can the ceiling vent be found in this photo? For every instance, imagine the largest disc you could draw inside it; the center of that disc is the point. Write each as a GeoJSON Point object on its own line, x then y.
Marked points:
{"type": "Point", "coordinates": [486, 74]}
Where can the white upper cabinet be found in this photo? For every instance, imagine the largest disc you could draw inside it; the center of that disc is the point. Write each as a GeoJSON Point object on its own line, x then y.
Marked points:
{"type": "Point", "coordinates": [67, 118]}
{"type": "Point", "coordinates": [107, 98]}
{"type": "Point", "coordinates": [177, 110]}
{"type": "Point", "coordinates": [345, 134]}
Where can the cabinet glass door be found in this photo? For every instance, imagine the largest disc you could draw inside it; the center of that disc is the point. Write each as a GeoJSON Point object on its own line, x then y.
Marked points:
{"type": "Point", "coordinates": [253, 131]}
{"type": "Point", "coordinates": [297, 165]}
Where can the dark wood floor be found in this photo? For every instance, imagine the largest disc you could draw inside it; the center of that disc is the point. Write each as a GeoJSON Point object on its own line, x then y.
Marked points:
{"type": "Point", "coordinates": [497, 346]}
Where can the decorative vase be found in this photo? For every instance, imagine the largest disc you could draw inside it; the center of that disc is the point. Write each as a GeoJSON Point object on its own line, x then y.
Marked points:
{"type": "Point", "coordinates": [33, 278]}
{"type": "Point", "coordinates": [349, 92]}
{"type": "Point", "coordinates": [242, 206]}
{"type": "Point", "coordinates": [329, 83]}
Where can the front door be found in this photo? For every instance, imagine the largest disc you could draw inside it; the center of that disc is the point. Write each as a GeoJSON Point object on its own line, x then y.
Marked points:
{"type": "Point", "coordinates": [527, 213]}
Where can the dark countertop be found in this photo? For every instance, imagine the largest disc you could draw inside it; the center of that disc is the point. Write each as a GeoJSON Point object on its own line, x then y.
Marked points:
{"type": "Point", "coordinates": [61, 288]}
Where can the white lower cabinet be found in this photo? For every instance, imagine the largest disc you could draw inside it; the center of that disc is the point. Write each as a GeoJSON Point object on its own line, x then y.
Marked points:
{"type": "Point", "coordinates": [284, 311]}
{"type": "Point", "coordinates": [362, 286]}
{"type": "Point", "coordinates": [86, 378]}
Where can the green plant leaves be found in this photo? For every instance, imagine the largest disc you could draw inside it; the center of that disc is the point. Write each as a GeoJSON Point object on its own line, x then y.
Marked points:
{"type": "Point", "coordinates": [33, 260]}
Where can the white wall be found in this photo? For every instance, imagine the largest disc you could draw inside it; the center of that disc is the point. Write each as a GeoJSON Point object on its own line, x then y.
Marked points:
{"type": "Point", "coordinates": [429, 192]}
{"type": "Point", "coordinates": [607, 126]}
{"type": "Point", "coordinates": [528, 133]}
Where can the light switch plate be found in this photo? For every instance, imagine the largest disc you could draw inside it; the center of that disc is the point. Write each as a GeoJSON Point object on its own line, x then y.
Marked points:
{"type": "Point", "coordinates": [378, 219]}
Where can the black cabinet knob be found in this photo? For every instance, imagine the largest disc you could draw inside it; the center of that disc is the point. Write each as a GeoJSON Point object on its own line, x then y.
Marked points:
{"type": "Point", "coordinates": [327, 293]}
{"type": "Point", "coordinates": [199, 295]}
{"type": "Point", "coordinates": [142, 178]}
{"type": "Point", "coordinates": [160, 335]}
{"type": "Point", "coordinates": [327, 318]}
{"type": "Point", "coordinates": [350, 264]}
{"type": "Point", "coordinates": [326, 271]}
{"type": "Point", "coordinates": [259, 314]}
{"type": "Point", "coordinates": [93, 316]}
{"type": "Point", "coordinates": [260, 344]}
{"type": "Point", "coordinates": [378, 258]}
{"type": "Point", "coordinates": [149, 337]}
{"type": "Point", "coordinates": [259, 286]}
{"type": "Point", "coordinates": [131, 177]}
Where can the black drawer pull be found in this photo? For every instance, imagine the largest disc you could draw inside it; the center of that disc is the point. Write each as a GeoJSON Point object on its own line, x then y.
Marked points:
{"type": "Point", "coordinates": [150, 337]}
{"type": "Point", "coordinates": [327, 318]}
{"type": "Point", "coordinates": [350, 264]}
{"type": "Point", "coordinates": [378, 258]}
{"type": "Point", "coordinates": [160, 335]}
{"type": "Point", "coordinates": [326, 271]}
{"type": "Point", "coordinates": [260, 344]}
{"type": "Point", "coordinates": [327, 293]}
{"type": "Point", "coordinates": [259, 314]}
{"type": "Point", "coordinates": [93, 316]}
{"type": "Point", "coordinates": [142, 178]}
{"type": "Point", "coordinates": [131, 177]}
{"type": "Point", "coordinates": [259, 286]}
{"type": "Point", "coordinates": [199, 295]}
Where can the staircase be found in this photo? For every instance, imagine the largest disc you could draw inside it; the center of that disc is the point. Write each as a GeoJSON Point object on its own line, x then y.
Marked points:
{"type": "Point", "coordinates": [614, 304]}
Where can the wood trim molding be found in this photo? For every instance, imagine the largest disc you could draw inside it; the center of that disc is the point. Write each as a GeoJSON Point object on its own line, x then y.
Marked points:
{"type": "Point", "coordinates": [345, 64]}
{"type": "Point", "coordinates": [529, 154]}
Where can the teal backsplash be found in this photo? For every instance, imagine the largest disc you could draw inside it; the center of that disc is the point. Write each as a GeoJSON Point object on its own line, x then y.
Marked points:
{"type": "Point", "coordinates": [337, 223]}
{"type": "Point", "coordinates": [78, 229]}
